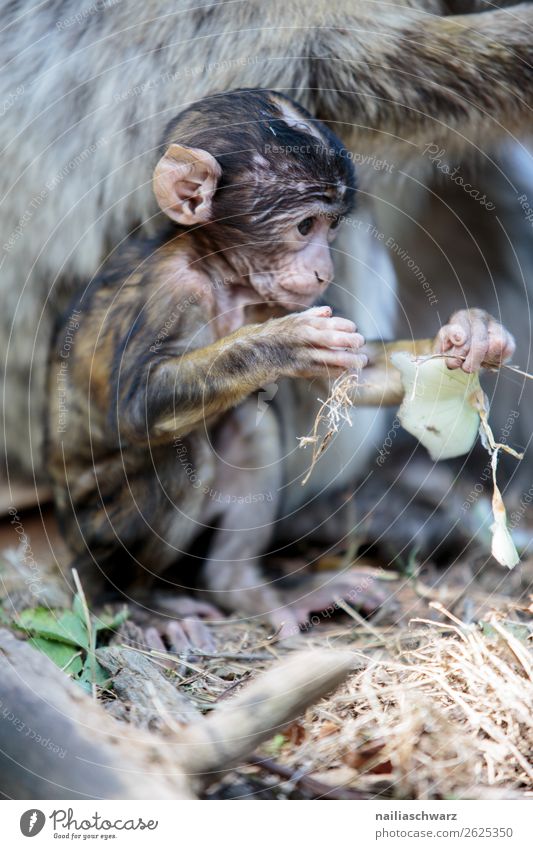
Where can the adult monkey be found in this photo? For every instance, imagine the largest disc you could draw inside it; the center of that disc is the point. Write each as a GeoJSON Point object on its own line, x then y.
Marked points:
{"type": "Point", "coordinates": [88, 93]}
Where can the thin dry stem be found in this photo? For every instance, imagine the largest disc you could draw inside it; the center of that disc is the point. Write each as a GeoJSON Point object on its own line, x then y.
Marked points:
{"type": "Point", "coordinates": [335, 411]}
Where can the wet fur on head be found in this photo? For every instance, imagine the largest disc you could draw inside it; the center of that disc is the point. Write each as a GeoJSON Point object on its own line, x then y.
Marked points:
{"type": "Point", "coordinates": [276, 159]}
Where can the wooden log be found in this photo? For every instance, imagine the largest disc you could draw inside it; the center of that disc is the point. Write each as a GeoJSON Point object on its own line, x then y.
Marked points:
{"type": "Point", "coordinates": [152, 700]}
{"type": "Point", "coordinates": [58, 743]}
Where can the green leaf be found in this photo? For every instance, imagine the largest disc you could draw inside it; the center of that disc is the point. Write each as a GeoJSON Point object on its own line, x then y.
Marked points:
{"type": "Point", "coordinates": [110, 621]}
{"type": "Point", "coordinates": [521, 631]}
{"type": "Point", "coordinates": [65, 626]}
{"type": "Point", "coordinates": [101, 676]}
{"type": "Point", "coordinates": [275, 745]}
{"type": "Point", "coordinates": [60, 653]}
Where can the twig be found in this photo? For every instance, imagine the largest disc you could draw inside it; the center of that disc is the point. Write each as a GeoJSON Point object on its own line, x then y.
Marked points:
{"type": "Point", "coordinates": [358, 618]}
{"type": "Point", "coordinates": [90, 633]}
{"type": "Point", "coordinates": [229, 690]}
{"type": "Point", "coordinates": [517, 371]}
{"type": "Point", "coordinates": [317, 788]}
{"type": "Point", "coordinates": [246, 658]}
{"type": "Point", "coordinates": [177, 658]}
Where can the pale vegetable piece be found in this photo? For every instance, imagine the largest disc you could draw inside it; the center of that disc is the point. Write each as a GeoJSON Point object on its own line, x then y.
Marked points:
{"type": "Point", "coordinates": [446, 410]}
{"type": "Point", "coordinates": [437, 407]}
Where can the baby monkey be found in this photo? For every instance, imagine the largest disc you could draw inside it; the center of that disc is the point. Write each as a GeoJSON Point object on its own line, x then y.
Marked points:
{"type": "Point", "coordinates": [154, 434]}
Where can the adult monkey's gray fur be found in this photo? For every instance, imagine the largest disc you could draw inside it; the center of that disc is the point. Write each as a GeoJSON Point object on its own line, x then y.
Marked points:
{"type": "Point", "coordinates": [89, 90]}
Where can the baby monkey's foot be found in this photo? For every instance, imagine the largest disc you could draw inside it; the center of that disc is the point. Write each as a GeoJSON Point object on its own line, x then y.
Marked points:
{"type": "Point", "coordinates": [183, 606]}
{"type": "Point", "coordinates": [473, 338]}
{"type": "Point", "coordinates": [185, 634]}
{"type": "Point", "coordinates": [316, 596]}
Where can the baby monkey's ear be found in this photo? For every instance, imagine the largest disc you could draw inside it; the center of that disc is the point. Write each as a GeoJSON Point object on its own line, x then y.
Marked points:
{"type": "Point", "coordinates": [184, 182]}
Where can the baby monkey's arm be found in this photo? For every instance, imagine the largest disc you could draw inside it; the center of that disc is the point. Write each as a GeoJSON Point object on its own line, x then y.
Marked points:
{"type": "Point", "coordinates": [183, 391]}
{"type": "Point", "coordinates": [380, 383]}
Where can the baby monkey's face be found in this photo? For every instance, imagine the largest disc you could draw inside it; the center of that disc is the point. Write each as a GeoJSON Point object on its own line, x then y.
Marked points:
{"type": "Point", "coordinates": [262, 194]}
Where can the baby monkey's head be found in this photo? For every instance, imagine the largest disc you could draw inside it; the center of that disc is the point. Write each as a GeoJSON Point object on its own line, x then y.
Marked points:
{"type": "Point", "coordinates": [262, 186]}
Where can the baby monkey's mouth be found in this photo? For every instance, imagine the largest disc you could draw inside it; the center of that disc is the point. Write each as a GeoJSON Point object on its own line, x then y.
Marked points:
{"type": "Point", "coordinates": [306, 296]}
{"type": "Point", "coordinates": [277, 292]}
{"type": "Point", "coordinates": [298, 301]}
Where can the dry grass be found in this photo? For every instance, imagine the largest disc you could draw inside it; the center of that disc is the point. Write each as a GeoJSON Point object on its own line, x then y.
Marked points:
{"type": "Point", "coordinates": [451, 716]}
{"type": "Point", "coordinates": [332, 414]}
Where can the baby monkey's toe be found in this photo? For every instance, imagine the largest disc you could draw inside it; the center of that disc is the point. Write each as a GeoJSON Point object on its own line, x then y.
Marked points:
{"type": "Point", "coordinates": [181, 637]}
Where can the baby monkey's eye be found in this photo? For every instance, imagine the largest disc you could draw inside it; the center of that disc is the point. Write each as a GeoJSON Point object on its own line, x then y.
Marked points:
{"type": "Point", "coordinates": [335, 221]}
{"type": "Point", "coordinates": [305, 226]}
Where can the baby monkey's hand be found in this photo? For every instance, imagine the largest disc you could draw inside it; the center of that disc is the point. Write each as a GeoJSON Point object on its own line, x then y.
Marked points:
{"type": "Point", "coordinates": [322, 345]}
{"type": "Point", "coordinates": [472, 339]}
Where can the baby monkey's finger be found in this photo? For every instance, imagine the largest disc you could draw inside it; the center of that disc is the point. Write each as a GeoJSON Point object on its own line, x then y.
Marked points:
{"type": "Point", "coordinates": [323, 311]}
{"type": "Point", "coordinates": [328, 338]}
{"type": "Point", "coordinates": [334, 323]}
{"type": "Point", "coordinates": [339, 359]}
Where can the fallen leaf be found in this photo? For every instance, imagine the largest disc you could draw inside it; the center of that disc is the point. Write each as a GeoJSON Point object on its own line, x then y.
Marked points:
{"type": "Point", "coordinates": [328, 728]}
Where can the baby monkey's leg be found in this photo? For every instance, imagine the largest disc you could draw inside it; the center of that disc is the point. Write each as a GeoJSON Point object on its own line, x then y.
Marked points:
{"type": "Point", "coordinates": [250, 483]}
{"type": "Point", "coordinates": [248, 447]}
